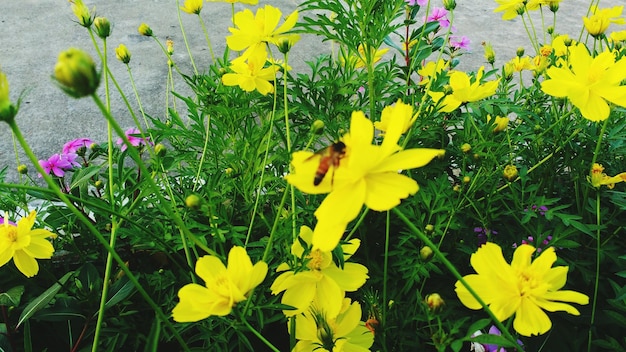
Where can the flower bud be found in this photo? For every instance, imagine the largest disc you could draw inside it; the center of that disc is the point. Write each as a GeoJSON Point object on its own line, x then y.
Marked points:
{"type": "Point", "coordinates": [160, 150]}
{"type": "Point", "coordinates": [193, 201]}
{"type": "Point", "coordinates": [7, 111]}
{"type": "Point", "coordinates": [81, 11]}
{"type": "Point", "coordinates": [466, 147]}
{"type": "Point", "coordinates": [429, 228]}
{"type": "Point", "coordinates": [456, 188]}
{"type": "Point", "coordinates": [285, 42]}
{"type": "Point", "coordinates": [169, 44]}
{"type": "Point", "coordinates": [192, 6]}
{"type": "Point", "coordinates": [22, 169]}
{"type": "Point", "coordinates": [520, 51]}
{"type": "Point", "coordinates": [99, 185]}
{"type": "Point", "coordinates": [102, 26]}
{"type": "Point", "coordinates": [449, 4]}
{"type": "Point", "coordinates": [490, 55]}
{"type": "Point", "coordinates": [510, 172]}
{"type": "Point", "coordinates": [554, 6]}
{"type": "Point", "coordinates": [122, 54]}
{"type": "Point", "coordinates": [466, 179]}
{"type": "Point", "coordinates": [434, 301]}
{"type": "Point", "coordinates": [426, 253]}
{"type": "Point", "coordinates": [76, 73]}
{"type": "Point", "coordinates": [317, 126]}
{"type": "Point", "coordinates": [550, 30]}
{"type": "Point", "coordinates": [145, 30]}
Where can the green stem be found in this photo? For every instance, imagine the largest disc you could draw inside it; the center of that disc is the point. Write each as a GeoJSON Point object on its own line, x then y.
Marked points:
{"type": "Point", "coordinates": [182, 30]}
{"type": "Point", "coordinates": [57, 191]}
{"type": "Point", "coordinates": [383, 317]}
{"type": "Point", "coordinates": [455, 273]}
{"type": "Point", "coordinates": [597, 279]}
{"type": "Point", "coordinates": [206, 36]}
{"type": "Point", "coordinates": [258, 334]}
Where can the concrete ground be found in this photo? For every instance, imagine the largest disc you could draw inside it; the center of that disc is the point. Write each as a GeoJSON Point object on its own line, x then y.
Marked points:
{"type": "Point", "coordinates": [34, 32]}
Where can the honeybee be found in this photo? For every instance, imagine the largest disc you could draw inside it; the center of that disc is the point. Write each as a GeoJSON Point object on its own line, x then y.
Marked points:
{"type": "Point", "coordinates": [330, 157]}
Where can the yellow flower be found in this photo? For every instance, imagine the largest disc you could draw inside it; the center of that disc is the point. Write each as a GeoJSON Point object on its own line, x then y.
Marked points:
{"type": "Point", "coordinates": [367, 174]}
{"type": "Point", "coordinates": [192, 6]}
{"type": "Point", "coordinates": [316, 330]}
{"type": "Point", "coordinates": [145, 30]}
{"type": "Point", "coordinates": [253, 31]}
{"type": "Point", "coordinates": [24, 244]}
{"type": "Point", "coordinates": [521, 63]}
{"type": "Point", "coordinates": [320, 277]}
{"type": "Point", "coordinates": [540, 64]}
{"type": "Point", "coordinates": [81, 11]}
{"type": "Point", "coordinates": [599, 22]}
{"type": "Point", "coordinates": [76, 73]}
{"type": "Point", "coordinates": [510, 172]}
{"type": "Point", "coordinates": [251, 74]}
{"type": "Point", "coordinates": [511, 8]}
{"type": "Point", "coordinates": [598, 178]}
{"type": "Point", "coordinates": [466, 147]}
{"type": "Point", "coordinates": [560, 44]}
{"type": "Point", "coordinates": [122, 53]}
{"type": "Point", "coordinates": [359, 60]}
{"type": "Point", "coordinates": [521, 288]}
{"type": "Point", "coordinates": [500, 123]}
{"type": "Point", "coordinates": [464, 90]}
{"type": "Point", "coordinates": [224, 286]}
{"type": "Point", "coordinates": [431, 70]}
{"type": "Point", "coordinates": [5, 100]}
{"type": "Point", "coordinates": [618, 36]}
{"type": "Point", "coordinates": [434, 301]}
{"type": "Point", "coordinates": [490, 54]}
{"type": "Point", "coordinates": [247, 2]}
{"type": "Point", "coordinates": [589, 83]}
{"type": "Point", "coordinates": [400, 111]}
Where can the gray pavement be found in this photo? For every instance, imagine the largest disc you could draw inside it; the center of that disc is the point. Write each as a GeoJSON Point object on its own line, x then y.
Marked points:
{"type": "Point", "coordinates": [34, 32]}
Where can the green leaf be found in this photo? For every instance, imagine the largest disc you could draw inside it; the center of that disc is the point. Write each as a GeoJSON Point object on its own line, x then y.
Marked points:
{"type": "Point", "coordinates": [43, 299]}
{"type": "Point", "coordinates": [82, 177]}
{"type": "Point", "coordinates": [12, 297]}
{"type": "Point", "coordinates": [479, 325]}
{"type": "Point", "coordinates": [121, 290]}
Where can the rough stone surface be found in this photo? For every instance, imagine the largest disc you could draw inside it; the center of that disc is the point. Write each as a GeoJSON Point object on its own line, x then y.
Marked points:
{"type": "Point", "coordinates": [36, 31]}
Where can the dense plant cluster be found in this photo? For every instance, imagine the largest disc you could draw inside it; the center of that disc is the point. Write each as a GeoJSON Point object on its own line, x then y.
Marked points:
{"type": "Point", "coordinates": [382, 200]}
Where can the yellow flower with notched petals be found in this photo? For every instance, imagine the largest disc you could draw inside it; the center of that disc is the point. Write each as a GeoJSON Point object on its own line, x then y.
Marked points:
{"type": "Point", "coordinates": [618, 36]}
{"type": "Point", "coordinates": [255, 30]}
{"type": "Point", "coordinates": [367, 174]}
{"type": "Point", "coordinates": [224, 286]}
{"type": "Point", "coordinates": [192, 6]}
{"type": "Point", "coordinates": [523, 288]}
{"type": "Point", "coordinates": [320, 277]}
{"type": "Point", "coordinates": [589, 82]}
{"type": "Point", "coordinates": [400, 111]}
{"type": "Point", "coordinates": [317, 330]}
{"type": "Point", "coordinates": [24, 244]}
{"type": "Point", "coordinates": [511, 8]}
{"type": "Point", "coordinates": [599, 22]}
{"type": "Point", "coordinates": [598, 178]}
{"type": "Point", "coordinates": [247, 2]}
{"type": "Point", "coordinates": [431, 70]}
{"type": "Point", "coordinates": [251, 74]}
{"type": "Point", "coordinates": [464, 90]}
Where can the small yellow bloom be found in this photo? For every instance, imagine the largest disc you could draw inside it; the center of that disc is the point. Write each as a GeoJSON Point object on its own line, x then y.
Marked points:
{"type": "Point", "coordinates": [521, 63]}
{"type": "Point", "coordinates": [224, 286]}
{"type": "Point", "coordinates": [540, 64]}
{"type": "Point", "coordinates": [81, 11]}
{"type": "Point", "coordinates": [599, 22]}
{"type": "Point", "coordinates": [545, 50]}
{"type": "Point", "coordinates": [560, 44]}
{"type": "Point", "coordinates": [145, 30]}
{"type": "Point", "coordinates": [247, 2]}
{"type": "Point", "coordinates": [598, 178]}
{"type": "Point", "coordinates": [618, 36]}
{"type": "Point", "coordinates": [76, 73]}
{"type": "Point", "coordinates": [510, 172]}
{"type": "Point", "coordinates": [464, 90]}
{"type": "Point", "coordinates": [466, 147]}
{"type": "Point", "coordinates": [359, 60]}
{"type": "Point", "coordinates": [319, 278]}
{"type": "Point", "coordinates": [431, 70]}
{"type": "Point", "coordinates": [192, 6]}
{"type": "Point", "coordinates": [499, 124]}
{"type": "Point", "coordinates": [589, 82]}
{"type": "Point", "coordinates": [24, 244]}
{"type": "Point", "coordinates": [122, 53]}
{"type": "Point", "coordinates": [5, 100]}
{"type": "Point", "coordinates": [434, 301]}
{"type": "Point", "coordinates": [426, 253]}
{"type": "Point", "coordinates": [524, 288]}
{"type": "Point", "coordinates": [399, 111]}
{"type": "Point", "coordinates": [511, 8]}
{"type": "Point", "coordinates": [251, 75]}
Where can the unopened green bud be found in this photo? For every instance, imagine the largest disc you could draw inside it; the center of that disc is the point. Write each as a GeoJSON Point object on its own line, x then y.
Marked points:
{"type": "Point", "coordinates": [429, 228]}
{"type": "Point", "coordinates": [144, 29]}
{"type": "Point", "coordinates": [160, 150]}
{"type": "Point", "coordinates": [22, 169]}
{"type": "Point", "coordinates": [286, 42]}
{"type": "Point", "coordinates": [553, 5]}
{"type": "Point", "coordinates": [520, 51]}
{"type": "Point", "coordinates": [193, 201]}
{"type": "Point", "coordinates": [466, 147]}
{"type": "Point", "coordinates": [449, 4]}
{"type": "Point", "coordinates": [99, 185]}
{"type": "Point", "coordinates": [102, 26]}
{"type": "Point", "coordinates": [7, 111]}
{"type": "Point", "coordinates": [490, 54]}
{"type": "Point", "coordinates": [426, 253]}
{"type": "Point", "coordinates": [122, 53]}
{"type": "Point", "coordinates": [550, 30]}
{"type": "Point", "coordinates": [317, 126]}
{"type": "Point", "coordinates": [76, 73]}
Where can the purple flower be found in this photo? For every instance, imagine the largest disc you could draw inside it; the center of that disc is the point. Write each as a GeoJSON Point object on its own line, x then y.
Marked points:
{"type": "Point", "coordinates": [461, 42]}
{"type": "Point", "coordinates": [59, 163]}
{"type": "Point", "coordinates": [494, 348]}
{"type": "Point", "coordinates": [74, 145]}
{"type": "Point", "coordinates": [417, 2]}
{"type": "Point", "coordinates": [440, 15]}
{"type": "Point", "coordinates": [132, 139]}
{"type": "Point", "coordinates": [6, 218]}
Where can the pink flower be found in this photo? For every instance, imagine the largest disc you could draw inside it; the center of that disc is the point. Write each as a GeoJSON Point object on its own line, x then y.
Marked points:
{"type": "Point", "coordinates": [417, 2]}
{"type": "Point", "coordinates": [459, 42]}
{"type": "Point", "coordinates": [440, 15]}
{"type": "Point", "coordinates": [74, 145]}
{"type": "Point", "coordinates": [2, 220]}
{"type": "Point", "coordinates": [58, 164]}
{"type": "Point", "coordinates": [133, 139]}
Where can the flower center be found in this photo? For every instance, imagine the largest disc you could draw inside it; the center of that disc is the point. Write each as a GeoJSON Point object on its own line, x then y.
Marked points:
{"type": "Point", "coordinates": [527, 283]}
{"type": "Point", "coordinates": [11, 233]}
{"type": "Point", "coordinates": [316, 260]}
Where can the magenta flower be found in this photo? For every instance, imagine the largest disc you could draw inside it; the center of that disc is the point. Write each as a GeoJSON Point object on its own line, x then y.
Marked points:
{"type": "Point", "coordinates": [58, 164]}
{"type": "Point", "coordinates": [462, 42]}
{"type": "Point", "coordinates": [417, 2]}
{"type": "Point", "coordinates": [7, 220]}
{"type": "Point", "coordinates": [133, 139]}
{"type": "Point", "coordinates": [74, 145]}
{"type": "Point", "coordinates": [494, 348]}
{"type": "Point", "coordinates": [440, 15]}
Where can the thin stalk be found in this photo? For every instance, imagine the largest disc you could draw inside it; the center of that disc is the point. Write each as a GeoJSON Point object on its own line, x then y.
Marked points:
{"type": "Point", "coordinates": [597, 280]}
{"type": "Point", "coordinates": [383, 317]}
{"type": "Point", "coordinates": [258, 335]}
{"type": "Point", "coordinates": [206, 36]}
{"type": "Point", "coordinates": [182, 30]}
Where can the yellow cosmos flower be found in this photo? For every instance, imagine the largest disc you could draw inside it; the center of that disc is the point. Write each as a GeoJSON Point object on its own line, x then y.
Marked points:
{"type": "Point", "coordinates": [251, 74]}
{"type": "Point", "coordinates": [499, 124]}
{"type": "Point", "coordinates": [81, 11]}
{"type": "Point", "coordinates": [192, 6]}
{"type": "Point", "coordinates": [366, 174]}
{"type": "Point", "coordinates": [464, 90]}
{"type": "Point", "coordinates": [599, 22]}
{"type": "Point", "coordinates": [598, 178]}
{"type": "Point", "coordinates": [358, 60]}
{"type": "Point", "coordinates": [511, 8]}
{"type": "Point", "coordinates": [224, 286]}
{"type": "Point", "coordinates": [560, 44]}
{"type": "Point", "coordinates": [589, 82]}
{"type": "Point", "coordinates": [24, 244]}
{"type": "Point", "coordinates": [254, 30]}
{"type": "Point", "coordinates": [431, 70]}
{"type": "Point", "coordinates": [521, 63]}
{"type": "Point", "coordinates": [247, 2]}
{"type": "Point", "coordinates": [523, 288]}
{"type": "Point", "coordinates": [401, 111]}
{"type": "Point", "coordinates": [321, 277]}
{"type": "Point", "coordinates": [316, 330]}
{"type": "Point", "coordinates": [618, 36]}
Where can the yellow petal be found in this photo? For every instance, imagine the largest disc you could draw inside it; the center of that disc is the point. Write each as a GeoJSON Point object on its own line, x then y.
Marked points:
{"type": "Point", "coordinates": [25, 263]}
{"type": "Point", "coordinates": [350, 279]}
{"type": "Point", "coordinates": [386, 190]}
{"type": "Point", "coordinates": [193, 302]}
{"type": "Point", "coordinates": [408, 159]}
{"type": "Point", "coordinates": [531, 320]}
